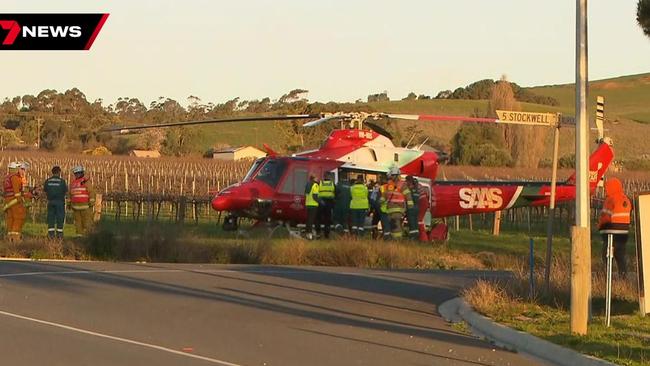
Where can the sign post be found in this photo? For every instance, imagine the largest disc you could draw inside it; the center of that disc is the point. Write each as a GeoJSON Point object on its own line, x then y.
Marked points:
{"type": "Point", "coordinates": [528, 118]}
{"type": "Point", "coordinates": [608, 290]}
{"type": "Point", "coordinates": [551, 206]}
{"type": "Point", "coordinates": [642, 220]}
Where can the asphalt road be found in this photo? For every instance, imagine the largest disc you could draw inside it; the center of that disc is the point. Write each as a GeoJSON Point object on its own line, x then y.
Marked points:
{"type": "Point", "coordinates": [65, 313]}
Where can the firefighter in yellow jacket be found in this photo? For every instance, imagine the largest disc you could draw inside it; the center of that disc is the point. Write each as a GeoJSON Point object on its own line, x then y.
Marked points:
{"type": "Point", "coordinates": [82, 201]}
{"type": "Point", "coordinates": [395, 199]}
{"type": "Point", "coordinates": [14, 207]}
{"type": "Point", "coordinates": [615, 220]}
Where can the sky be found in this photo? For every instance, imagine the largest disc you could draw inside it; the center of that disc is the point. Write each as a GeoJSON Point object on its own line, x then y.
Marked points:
{"type": "Point", "coordinates": [339, 50]}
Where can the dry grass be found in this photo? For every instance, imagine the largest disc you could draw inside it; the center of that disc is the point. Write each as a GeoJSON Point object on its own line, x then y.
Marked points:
{"type": "Point", "coordinates": [42, 248]}
{"type": "Point", "coordinates": [517, 288]}
{"type": "Point", "coordinates": [177, 243]}
{"type": "Point", "coordinates": [546, 314]}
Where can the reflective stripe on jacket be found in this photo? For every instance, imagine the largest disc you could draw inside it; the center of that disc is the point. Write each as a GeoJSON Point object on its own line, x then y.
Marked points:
{"type": "Point", "coordinates": [309, 197]}
{"type": "Point", "coordinates": [394, 196]}
{"type": "Point", "coordinates": [615, 214]}
{"type": "Point", "coordinates": [359, 194]}
{"type": "Point", "coordinates": [79, 193]}
{"type": "Point", "coordinates": [12, 186]}
{"type": "Point", "coordinates": [326, 189]}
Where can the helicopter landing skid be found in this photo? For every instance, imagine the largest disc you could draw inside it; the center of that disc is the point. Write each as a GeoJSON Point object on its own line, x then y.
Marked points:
{"type": "Point", "coordinates": [271, 228]}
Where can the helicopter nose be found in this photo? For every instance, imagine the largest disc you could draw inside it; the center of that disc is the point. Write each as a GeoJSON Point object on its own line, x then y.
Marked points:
{"type": "Point", "coordinates": [231, 200]}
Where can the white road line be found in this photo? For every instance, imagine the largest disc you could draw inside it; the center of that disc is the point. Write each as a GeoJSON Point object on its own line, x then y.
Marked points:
{"type": "Point", "coordinates": [49, 273]}
{"type": "Point", "coordinates": [118, 339]}
{"type": "Point", "coordinates": [55, 273]}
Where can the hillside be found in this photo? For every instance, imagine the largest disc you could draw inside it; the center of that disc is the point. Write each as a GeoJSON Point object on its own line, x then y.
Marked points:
{"type": "Point", "coordinates": [627, 116]}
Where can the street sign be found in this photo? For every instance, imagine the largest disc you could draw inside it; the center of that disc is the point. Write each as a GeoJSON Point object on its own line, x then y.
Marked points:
{"type": "Point", "coordinates": [528, 118]}
{"type": "Point", "coordinates": [642, 215]}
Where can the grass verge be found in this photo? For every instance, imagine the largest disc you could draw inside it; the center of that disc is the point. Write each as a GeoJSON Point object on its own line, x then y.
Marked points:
{"type": "Point", "coordinates": [546, 315]}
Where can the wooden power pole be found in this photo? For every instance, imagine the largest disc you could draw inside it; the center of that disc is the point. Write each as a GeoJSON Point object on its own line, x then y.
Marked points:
{"type": "Point", "coordinates": [580, 234]}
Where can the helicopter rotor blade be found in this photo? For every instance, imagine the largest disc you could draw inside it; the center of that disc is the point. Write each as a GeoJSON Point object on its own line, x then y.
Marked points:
{"type": "Point", "coordinates": [380, 130]}
{"type": "Point", "coordinates": [324, 119]}
{"type": "Point", "coordinates": [288, 117]}
{"type": "Point", "coordinates": [433, 117]}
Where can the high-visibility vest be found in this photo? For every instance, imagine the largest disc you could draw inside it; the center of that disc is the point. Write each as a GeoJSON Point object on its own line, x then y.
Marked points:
{"type": "Point", "coordinates": [79, 194]}
{"type": "Point", "coordinates": [326, 189]}
{"type": "Point", "coordinates": [615, 215]}
{"type": "Point", "coordinates": [9, 186]}
{"type": "Point", "coordinates": [359, 193]}
{"type": "Point", "coordinates": [309, 197]}
{"type": "Point", "coordinates": [394, 197]}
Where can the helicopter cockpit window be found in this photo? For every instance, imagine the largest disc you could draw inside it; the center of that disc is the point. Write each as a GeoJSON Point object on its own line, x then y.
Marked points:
{"type": "Point", "coordinates": [253, 169]}
{"type": "Point", "coordinates": [271, 172]}
{"type": "Point", "coordinates": [296, 181]}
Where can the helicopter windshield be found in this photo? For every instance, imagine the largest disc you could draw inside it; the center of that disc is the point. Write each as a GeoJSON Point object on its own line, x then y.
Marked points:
{"type": "Point", "coordinates": [253, 169]}
{"type": "Point", "coordinates": [271, 172]}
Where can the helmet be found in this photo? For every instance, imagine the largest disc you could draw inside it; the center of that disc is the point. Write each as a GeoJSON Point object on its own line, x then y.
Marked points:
{"type": "Point", "coordinates": [78, 169]}
{"type": "Point", "coordinates": [394, 170]}
{"type": "Point", "coordinates": [13, 165]}
{"type": "Point", "coordinates": [23, 165]}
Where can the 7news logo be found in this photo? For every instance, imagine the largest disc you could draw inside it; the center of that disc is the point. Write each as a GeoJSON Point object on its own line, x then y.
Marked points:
{"type": "Point", "coordinates": [49, 31]}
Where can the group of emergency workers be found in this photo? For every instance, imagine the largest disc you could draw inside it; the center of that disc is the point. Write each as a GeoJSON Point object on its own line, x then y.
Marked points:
{"type": "Point", "coordinates": [18, 196]}
{"type": "Point", "coordinates": [346, 205]}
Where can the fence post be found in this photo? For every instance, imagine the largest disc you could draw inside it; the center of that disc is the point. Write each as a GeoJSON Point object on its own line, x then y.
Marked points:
{"type": "Point", "coordinates": [98, 207]}
{"type": "Point", "coordinates": [497, 223]}
{"type": "Point", "coordinates": [180, 214]}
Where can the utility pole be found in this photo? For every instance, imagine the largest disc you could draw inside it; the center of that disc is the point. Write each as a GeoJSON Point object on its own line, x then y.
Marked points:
{"type": "Point", "coordinates": [580, 234]}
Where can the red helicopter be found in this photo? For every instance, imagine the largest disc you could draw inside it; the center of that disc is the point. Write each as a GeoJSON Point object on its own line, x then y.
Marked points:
{"type": "Point", "coordinates": [274, 187]}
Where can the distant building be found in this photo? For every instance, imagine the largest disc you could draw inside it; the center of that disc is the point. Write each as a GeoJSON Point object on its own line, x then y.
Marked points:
{"type": "Point", "coordinates": [238, 153]}
{"type": "Point", "coordinates": [145, 153]}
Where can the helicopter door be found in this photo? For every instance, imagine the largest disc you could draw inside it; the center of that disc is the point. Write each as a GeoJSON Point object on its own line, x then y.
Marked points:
{"type": "Point", "coordinates": [295, 181]}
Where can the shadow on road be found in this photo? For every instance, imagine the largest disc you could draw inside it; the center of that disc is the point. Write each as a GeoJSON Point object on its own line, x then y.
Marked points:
{"type": "Point", "coordinates": [364, 282]}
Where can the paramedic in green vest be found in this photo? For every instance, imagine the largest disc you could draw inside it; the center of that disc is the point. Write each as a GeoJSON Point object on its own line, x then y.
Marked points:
{"type": "Point", "coordinates": [412, 211]}
{"type": "Point", "coordinates": [311, 203]}
{"type": "Point", "coordinates": [55, 189]}
{"type": "Point", "coordinates": [359, 206]}
{"type": "Point", "coordinates": [342, 205]}
{"type": "Point", "coordinates": [326, 203]}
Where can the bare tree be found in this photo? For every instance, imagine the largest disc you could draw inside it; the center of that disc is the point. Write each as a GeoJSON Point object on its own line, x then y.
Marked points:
{"type": "Point", "coordinates": [525, 143]}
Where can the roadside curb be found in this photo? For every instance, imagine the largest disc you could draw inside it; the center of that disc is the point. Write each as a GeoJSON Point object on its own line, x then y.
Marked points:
{"type": "Point", "coordinates": [456, 310]}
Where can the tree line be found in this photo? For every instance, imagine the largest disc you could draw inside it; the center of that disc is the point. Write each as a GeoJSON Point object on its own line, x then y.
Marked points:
{"type": "Point", "coordinates": [68, 121]}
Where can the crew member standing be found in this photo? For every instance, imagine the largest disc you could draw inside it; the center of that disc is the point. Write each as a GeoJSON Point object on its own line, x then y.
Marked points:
{"type": "Point", "coordinates": [14, 207]}
{"type": "Point", "coordinates": [395, 198]}
{"type": "Point", "coordinates": [375, 206]}
{"type": "Point", "coordinates": [311, 203]}
{"type": "Point", "coordinates": [342, 205]}
{"type": "Point", "coordinates": [615, 220]}
{"type": "Point", "coordinates": [326, 203]}
{"type": "Point", "coordinates": [412, 211]}
{"type": "Point", "coordinates": [55, 189]}
{"type": "Point", "coordinates": [359, 206]}
{"type": "Point", "coordinates": [82, 201]}
{"type": "Point", "coordinates": [26, 190]}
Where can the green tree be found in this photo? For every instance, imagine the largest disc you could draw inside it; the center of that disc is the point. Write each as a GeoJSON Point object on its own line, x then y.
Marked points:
{"type": "Point", "coordinates": [380, 97]}
{"type": "Point", "coordinates": [476, 144]}
{"type": "Point", "coordinates": [411, 96]}
{"type": "Point", "coordinates": [643, 16]}
{"type": "Point", "coordinates": [181, 141]}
